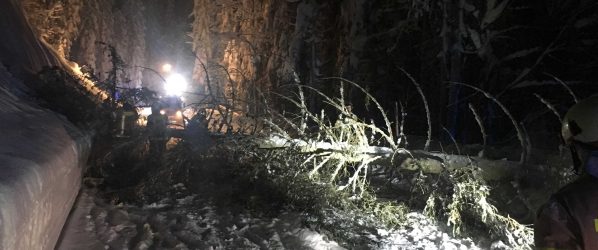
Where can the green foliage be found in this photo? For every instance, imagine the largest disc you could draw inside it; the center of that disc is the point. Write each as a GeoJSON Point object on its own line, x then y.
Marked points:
{"type": "Point", "coordinates": [346, 158]}
{"type": "Point", "coordinates": [466, 209]}
{"type": "Point", "coordinates": [280, 169]}
{"type": "Point", "coordinates": [316, 180]}
{"type": "Point", "coordinates": [81, 107]}
{"type": "Point", "coordinates": [116, 74]}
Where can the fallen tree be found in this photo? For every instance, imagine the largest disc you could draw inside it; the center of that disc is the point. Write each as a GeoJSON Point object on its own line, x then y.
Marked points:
{"type": "Point", "coordinates": [341, 153]}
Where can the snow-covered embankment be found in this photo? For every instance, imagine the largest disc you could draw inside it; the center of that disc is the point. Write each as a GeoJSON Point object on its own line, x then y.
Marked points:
{"type": "Point", "coordinates": [41, 161]}
{"type": "Point", "coordinates": [42, 155]}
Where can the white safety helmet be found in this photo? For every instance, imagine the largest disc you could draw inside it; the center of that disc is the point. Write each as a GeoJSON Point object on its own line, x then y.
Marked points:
{"type": "Point", "coordinates": [581, 122]}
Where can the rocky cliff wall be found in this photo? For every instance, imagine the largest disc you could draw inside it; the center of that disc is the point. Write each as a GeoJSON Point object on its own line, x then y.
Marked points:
{"type": "Point", "coordinates": [76, 29]}
{"type": "Point", "coordinates": [243, 44]}
{"type": "Point", "coordinates": [268, 44]}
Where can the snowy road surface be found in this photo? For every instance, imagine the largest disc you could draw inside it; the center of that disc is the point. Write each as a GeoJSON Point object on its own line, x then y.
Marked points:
{"type": "Point", "coordinates": [184, 223]}
{"type": "Point", "coordinates": [190, 222]}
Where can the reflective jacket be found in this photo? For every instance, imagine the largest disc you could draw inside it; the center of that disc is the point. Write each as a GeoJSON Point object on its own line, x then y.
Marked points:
{"type": "Point", "coordinates": [570, 218]}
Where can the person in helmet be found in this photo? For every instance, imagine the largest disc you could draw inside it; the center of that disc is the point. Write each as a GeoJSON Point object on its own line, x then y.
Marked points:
{"type": "Point", "coordinates": [569, 220]}
{"type": "Point", "coordinates": [157, 131]}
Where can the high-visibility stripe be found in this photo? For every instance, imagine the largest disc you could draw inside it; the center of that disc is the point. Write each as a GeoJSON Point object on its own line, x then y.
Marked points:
{"type": "Point", "coordinates": [596, 225]}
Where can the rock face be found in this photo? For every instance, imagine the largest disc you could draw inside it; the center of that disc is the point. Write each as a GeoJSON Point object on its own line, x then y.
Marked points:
{"type": "Point", "coordinates": [76, 29]}
{"type": "Point", "coordinates": [248, 40]}
{"type": "Point", "coordinates": [248, 45]}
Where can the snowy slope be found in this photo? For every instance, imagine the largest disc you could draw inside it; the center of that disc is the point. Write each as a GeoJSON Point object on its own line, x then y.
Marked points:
{"type": "Point", "coordinates": [41, 156]}
{"type": "Point", "coordinates": [40, 152]}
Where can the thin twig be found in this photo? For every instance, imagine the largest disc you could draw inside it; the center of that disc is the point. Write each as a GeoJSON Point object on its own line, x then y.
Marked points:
{"type": "Point", "coordinates": [528, 141]}
{"type": "Point", "coordinates": [303, 108]}
{"type": "Point", "coordinates": [482, 128]}
{"type": "Point", "coordinates": [506, 111]}
{"type": "Point", "coordinates": [397, 120]}
{"type": "Point", "coordinates": [566, 87]}
{"type": "Point", "coordinates": [382, 112]}
{"type": "Point", "coordinates": [550, 106]}
{"type": "Point", "coordinates": [421, 93]}
{"type": "Point", "coordinates": [452, 139]}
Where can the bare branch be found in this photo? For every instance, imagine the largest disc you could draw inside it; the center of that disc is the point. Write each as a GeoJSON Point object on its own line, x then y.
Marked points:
{"type": "Point", "coordinates": [566, 87]}
{"type": "Point", "coordinates": [520, 135]}
{"type": "Point", "coordinates": [549, 106]}
{"type": "Point", "coordinates": [482, 128]}
{"type": "Point", "coordinates": [426, 106]}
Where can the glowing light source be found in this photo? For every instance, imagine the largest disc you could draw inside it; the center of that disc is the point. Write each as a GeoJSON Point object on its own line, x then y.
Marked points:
{"type": "Point", "coordinates": [145, 111]}
{"type": "Point", "coordinates": [175, 85]}
{"type": "Point", "coordinates": [166, 67]}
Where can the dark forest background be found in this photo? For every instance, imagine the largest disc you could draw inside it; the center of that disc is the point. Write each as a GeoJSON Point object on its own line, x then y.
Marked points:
{"type": "Point", "coordinates": [511, 49]}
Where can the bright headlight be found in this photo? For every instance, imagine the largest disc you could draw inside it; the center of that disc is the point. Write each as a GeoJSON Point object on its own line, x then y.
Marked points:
{"type": "Point", "coordinates": [175, 85]}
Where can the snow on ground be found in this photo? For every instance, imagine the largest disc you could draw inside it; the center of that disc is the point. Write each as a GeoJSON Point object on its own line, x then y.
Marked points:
{"type": "Point", "coordinates": [187, 222]}
{"type": "Point", "coordinates": [191, 222]}
{"type": "Point", "coordinates": [421, 233]}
